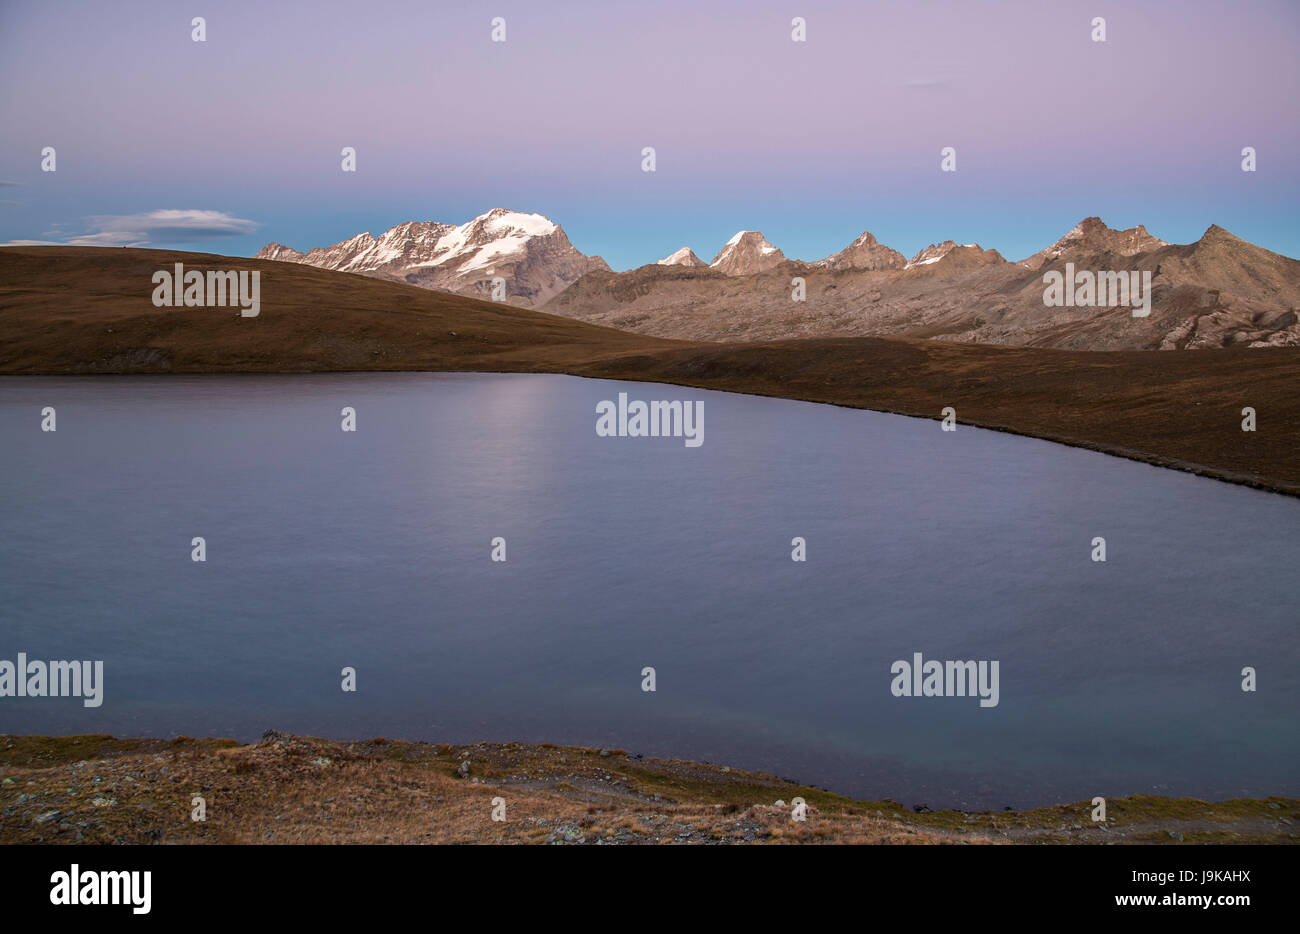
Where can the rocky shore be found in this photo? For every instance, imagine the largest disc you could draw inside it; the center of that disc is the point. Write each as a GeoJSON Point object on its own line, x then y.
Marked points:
{"type": "Point", "coordinates": [288, 789]}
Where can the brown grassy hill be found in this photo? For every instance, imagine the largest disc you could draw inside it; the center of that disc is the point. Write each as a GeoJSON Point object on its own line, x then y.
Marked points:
{"type": "Point", "coordinates": [88, 310]}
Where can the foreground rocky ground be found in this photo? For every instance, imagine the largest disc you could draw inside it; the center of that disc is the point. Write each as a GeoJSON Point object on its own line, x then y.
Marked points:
{"type": "Point", "coordinates": [288, 789]}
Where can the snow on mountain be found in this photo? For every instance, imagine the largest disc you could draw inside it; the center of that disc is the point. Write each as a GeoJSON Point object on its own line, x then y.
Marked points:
{"type": "Point", "coordinates": [530, 252]}
{"type": "Point", "coordinates": [683, 257]}
{"type": "Point", "coordinates": [932, 254]}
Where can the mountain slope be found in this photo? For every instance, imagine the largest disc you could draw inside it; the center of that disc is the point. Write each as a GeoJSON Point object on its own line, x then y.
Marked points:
{"type": "Point", "coordinates": [311, 319]}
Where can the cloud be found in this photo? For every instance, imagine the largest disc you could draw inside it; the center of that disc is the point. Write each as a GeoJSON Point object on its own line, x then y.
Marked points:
{"type": "Point", "coordinates": [117, 238]}
{"type": "Point", "coordinates": [166, 225]}
{"type": "Point", "coordinates": [170, 224]}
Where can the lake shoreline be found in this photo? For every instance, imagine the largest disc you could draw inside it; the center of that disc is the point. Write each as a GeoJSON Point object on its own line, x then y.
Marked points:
{"type": "Point", "coordinates": [96, 789]}
{"type": "Point", "coordinates": [1145, 457]}
{"type": "Point", "coordinates": [84, 311]}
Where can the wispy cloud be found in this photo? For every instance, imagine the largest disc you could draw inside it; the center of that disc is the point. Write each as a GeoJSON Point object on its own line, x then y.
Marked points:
{"type": "Point", "coordinates": [166, 225]}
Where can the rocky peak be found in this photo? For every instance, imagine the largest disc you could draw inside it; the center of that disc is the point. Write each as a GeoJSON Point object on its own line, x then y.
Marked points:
{"type": "Point", "coordinates": [278, 251]}
{"type": "Point", "coordinates": [866, 252]}
{"type": "Point", "coordinates": [1091, 236]}
{"type": "Point", "coordinates": [746, 253]}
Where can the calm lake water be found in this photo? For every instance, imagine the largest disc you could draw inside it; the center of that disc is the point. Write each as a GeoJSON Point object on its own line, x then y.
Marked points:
{"type": "Point", "coordinates": [371, 549]}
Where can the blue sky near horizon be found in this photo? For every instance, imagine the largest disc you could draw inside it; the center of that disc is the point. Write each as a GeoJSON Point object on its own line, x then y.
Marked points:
{"type": "Point", "coordinates": [811, 142]}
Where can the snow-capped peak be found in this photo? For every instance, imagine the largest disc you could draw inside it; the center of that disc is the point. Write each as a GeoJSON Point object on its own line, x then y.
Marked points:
{"type": "Point", "coordinates": [683, 257]}
{"type": "Point", "coordinates": [528, 250]}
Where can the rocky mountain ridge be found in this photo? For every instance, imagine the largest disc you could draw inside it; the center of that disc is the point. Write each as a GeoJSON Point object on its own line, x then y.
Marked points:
{"type": "Point", "coordinates": [1219, 291]}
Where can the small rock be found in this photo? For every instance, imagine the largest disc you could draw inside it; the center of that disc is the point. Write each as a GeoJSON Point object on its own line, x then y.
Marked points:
{"type": "Point", "coordinates": [463, 771]}
{"type": "Point", "coordinates": [569, 834]}
{"type": "Point", "coordinates": [47, 816]}
{"type": "Point", "coordinates": [605, 752]}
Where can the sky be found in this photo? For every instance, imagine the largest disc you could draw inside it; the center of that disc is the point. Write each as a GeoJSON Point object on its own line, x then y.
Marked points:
{"type": "Point", "coordinates": [227, 144]}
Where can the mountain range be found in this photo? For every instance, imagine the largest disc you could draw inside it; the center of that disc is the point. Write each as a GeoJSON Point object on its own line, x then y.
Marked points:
{"type": "Point", "coordinates": [1219, 291]}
